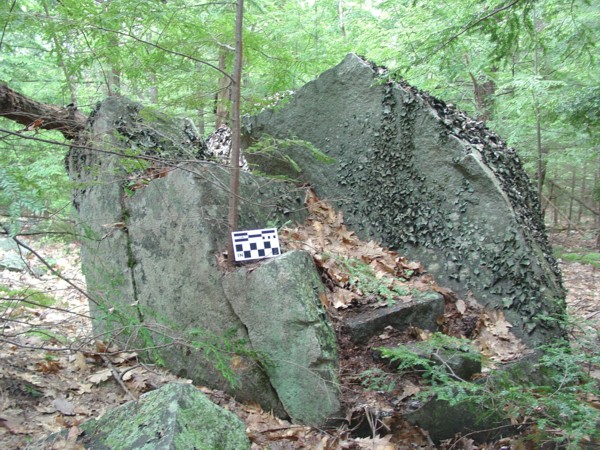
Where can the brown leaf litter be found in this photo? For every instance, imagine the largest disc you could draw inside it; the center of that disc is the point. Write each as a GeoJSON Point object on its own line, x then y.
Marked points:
{"type": "Point", "coordinates": [54, 375]}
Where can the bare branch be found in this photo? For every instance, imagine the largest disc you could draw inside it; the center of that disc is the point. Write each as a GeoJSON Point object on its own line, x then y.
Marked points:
{"type": "Point", "coordinates": [54, 272]}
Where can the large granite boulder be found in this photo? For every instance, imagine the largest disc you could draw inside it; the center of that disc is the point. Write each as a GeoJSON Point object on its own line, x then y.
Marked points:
{"type": "Point", "coordinates": [424, 179]}
{"type": "Point", "coordinates": [156, 231]}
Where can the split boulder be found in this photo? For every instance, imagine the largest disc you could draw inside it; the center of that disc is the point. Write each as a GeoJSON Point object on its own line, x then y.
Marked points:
{"type": "Point", "coordinates": [423, 179]}
{"type": "Point", "coordinates": [156, 231]}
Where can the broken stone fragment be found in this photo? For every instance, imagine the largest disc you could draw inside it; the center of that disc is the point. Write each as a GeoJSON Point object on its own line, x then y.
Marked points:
{"type": "Point", "coordinates": [279, 303]}
{"type": "Point", "coordinates": [421, 311]}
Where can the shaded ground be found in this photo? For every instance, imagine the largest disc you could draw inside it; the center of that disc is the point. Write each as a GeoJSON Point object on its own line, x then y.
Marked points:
{"type": "Point", "coordinates": [57, 376]}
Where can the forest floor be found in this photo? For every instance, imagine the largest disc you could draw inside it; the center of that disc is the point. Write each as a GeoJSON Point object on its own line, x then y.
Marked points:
{"type": "Point", "coordinates": [57, 375]}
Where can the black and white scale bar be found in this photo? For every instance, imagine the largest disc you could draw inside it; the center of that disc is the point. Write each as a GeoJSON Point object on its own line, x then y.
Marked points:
{"type": "Point", "coordinates": [256, 244]}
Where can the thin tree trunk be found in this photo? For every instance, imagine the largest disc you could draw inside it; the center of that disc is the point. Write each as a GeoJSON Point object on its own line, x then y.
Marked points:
{"type": "Point", "coordinates": [541, 152]}
{"type": "Point", "coordinates": [590, 208]}
{"type": "Point", "coordinates": [552, 202]}
{"type": "Point", "coordinates": [572, 196]}
{"type": "Point", "coordinates": [223, 96]}
{"type": "Point", "coordinates": [583, 192]}
{"type": "Point", "coordinates": [596, 200]}
{"type": "Point", "coordinates": [483, 93]}
{"type": "Point", "coordinates": [114, 81]}
{"type": "Point", "coordinates": [201, 121]}
{"type": "Point", "coordinates": [341, 17]}
{"type": "Point", "coordinates": [235, 129]}
{"type": "Point", "coordinates": [153, 89]}
{"type": "Point", "coordinates": [200, 102]}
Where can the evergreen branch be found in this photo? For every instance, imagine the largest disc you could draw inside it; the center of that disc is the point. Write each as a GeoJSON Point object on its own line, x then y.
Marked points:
{"type": "Point", "coordinates": [6, 24]}
{"type": "Point", "coordinates": [164, 49]}
{"type": "Point", "coordinates": [473, 24]}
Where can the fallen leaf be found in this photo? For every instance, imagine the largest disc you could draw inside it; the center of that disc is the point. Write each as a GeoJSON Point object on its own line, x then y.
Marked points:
{"type": "Point", "coordinates": [79, 362]}
{"type": "Point", "coordinates": [12, 424]}
{"type": "Point", "coordinates": [64, 406]}
{"type": "Point", "coordinates": [376, 443]}
{"type": "Point", "coordinates": [100, 376]}
{"type": "Point", "coordinates": [120, 358]}
{"type": "Point", "coordinates": [48, 366]}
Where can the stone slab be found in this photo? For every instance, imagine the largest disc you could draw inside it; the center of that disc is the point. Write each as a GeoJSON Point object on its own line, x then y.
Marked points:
{"type": "Point", "coordinates": [421, 311]}
{"type": "Point", "coordinates": [279, 304]}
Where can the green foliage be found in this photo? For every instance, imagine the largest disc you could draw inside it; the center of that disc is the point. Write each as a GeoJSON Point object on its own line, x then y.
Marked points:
{"type": "Point", "coordinates": [47, 335]}
{"type": "Point", "coordinates": [364, 279]}
{"type": "Point", "coordinates": [17, 200]}
{"type": "Point", "coordinates": [275, 148]}
{"type": "Point", "coordinates": [417, 356]}
{"type": "Point", "coordinates": [221, 350]}
{"type": "Point", "coordinates": [30, 389]}
{"type": "Point", "coordinates": [376, 380]}
{"type": "Point", "coordinates": [582, 258]}
{"type": "Point", "coordinates": [553, 393]}
{"type": "Point", "coordinates": [166, 54]}
{"type": "Point", "coordinates": [11, 298]}
{"type": "Point", "coordinates": [123, 323]}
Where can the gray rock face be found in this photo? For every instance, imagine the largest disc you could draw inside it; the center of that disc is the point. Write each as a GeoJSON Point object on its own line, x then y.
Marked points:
{"type": "Point", "coordinates": [174, 417]}
{"type": "Point", "coordinates": [422, 311]}
{"type": "Point", "coordinates": [150, 260]}
{"type": "Point", "coordinates": [10, 258]}
{"type": "Point", "coordinates": [443, 421]}
{"type": "Point", "coordinates": [279, 304]}
{"type": "Point", "coordinates": [426, 181]}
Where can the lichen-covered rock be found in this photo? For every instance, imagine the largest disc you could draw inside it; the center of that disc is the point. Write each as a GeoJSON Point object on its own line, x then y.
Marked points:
{"type": "Point", "coordinates": [154, 238]}
{"type": "Point", "coordinates": [279, 303]}
{"type": "Point", "coordinates": [426, 181]}
{"type": "Point", "coordinates": [175, 417]}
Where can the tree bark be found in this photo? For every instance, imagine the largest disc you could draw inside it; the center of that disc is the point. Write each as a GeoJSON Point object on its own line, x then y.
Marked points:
{"type": "Point", "coordinates": [235, 130]}
{"type": "Point", "coordinates": [34, 115]}
{"type": "Point", "coordinates": [223, 96]}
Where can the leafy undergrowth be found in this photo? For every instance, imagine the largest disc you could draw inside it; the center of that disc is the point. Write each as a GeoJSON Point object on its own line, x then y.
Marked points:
{"type": "Point", "coordinates": [577, 246]}
{"type": "Point", "coordinates": [54, 373]}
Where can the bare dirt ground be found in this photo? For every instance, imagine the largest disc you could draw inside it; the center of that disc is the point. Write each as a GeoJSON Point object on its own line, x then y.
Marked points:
{"type": "Point", "coordinates": [54, 374]}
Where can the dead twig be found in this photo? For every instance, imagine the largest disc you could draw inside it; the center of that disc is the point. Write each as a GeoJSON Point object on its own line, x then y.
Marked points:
{"type": "Point", "coordinates": [117, 376]}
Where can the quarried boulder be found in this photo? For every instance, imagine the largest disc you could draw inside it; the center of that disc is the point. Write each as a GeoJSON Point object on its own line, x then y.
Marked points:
{"type": "Point", "coordinates": [423, 179]}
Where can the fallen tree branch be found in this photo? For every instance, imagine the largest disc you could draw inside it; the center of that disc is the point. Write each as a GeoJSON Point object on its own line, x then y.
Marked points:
{"type": "Point", "coordinates": [35, 115]}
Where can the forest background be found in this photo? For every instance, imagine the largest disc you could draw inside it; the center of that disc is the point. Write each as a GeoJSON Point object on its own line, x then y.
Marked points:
{"type": "Point", "coordinates": [527, 68]}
